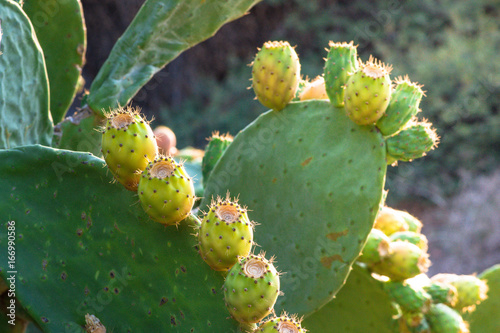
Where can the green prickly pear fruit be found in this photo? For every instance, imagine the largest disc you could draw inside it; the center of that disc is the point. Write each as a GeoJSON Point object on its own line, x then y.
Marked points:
{"type": "Point", "coordinates": [390, 221]}
{"type": "Point", "coordinates": [275, 74]}
{"type": "Point", "coordinates": [251, 289]}
{"type": "Point", "coordinates": [376, 247]}
{"type": "Point", "coordinates": [367, 92]}
{"type": "Point", "coordinates": [217, 145]}
{"type": "Point", "coordinates": [414, 224]}
{"type": "Point", "coordinates": [413, 322]}
{"type": "Point", "coordinates": [283, 324]}
{"type": "Point", "coordinates": [225, 234]}
{"type": "Point", "coordinates": [403, 106]}
{"type": "Point", "coordinates": [166, 191]}
{"type": "Point", "coordinates": [128, 145]}
{"type": "Point", "coordinates": [341, 60]}
{"type": "Point", "coordinates": [412, 142]}
{"type": "Point", "coordinates": [443, 319]}
{"type": "Point", "coordinates": [409, 297]}
{"type": "Point", "coordinates": [442, 293]}
{"type": "Point", "coordinates": [470, 289]}
{"type": "Point", "coordinates": [404, 260]}
{"type": "Point", "coordinates": [314, 90]}
{"type": "Point", "coordinates": [409, 236]}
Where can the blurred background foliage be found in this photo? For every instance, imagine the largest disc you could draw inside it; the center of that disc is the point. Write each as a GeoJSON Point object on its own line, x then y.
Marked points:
{"type": "Point", "coordinates": [449, 46]}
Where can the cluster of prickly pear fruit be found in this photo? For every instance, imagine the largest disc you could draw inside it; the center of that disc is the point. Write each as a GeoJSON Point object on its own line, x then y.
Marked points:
{"type": "Point", "coordinates": [396, 252]}
{"type": "Point", "coordinates": [130, 149]}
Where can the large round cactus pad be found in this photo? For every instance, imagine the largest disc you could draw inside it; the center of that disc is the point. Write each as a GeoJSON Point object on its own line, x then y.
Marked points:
{"type": "Point", "coordinates": [313, 180]}
{"type": "Point", "coordinates": [84, 245]}
{"type": "Point", "coordinates": [486, 317]}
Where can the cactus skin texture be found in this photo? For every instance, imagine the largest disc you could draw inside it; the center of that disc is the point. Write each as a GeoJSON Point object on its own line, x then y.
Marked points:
{"type": "Point", "coordinates": [409, 236]}
{"type": "Point", "coordinates": [408, 296]}
{"type": "Point", "coordinates": [404, 260]}
{"type": "Point", "coordinates": [128, 145]}
{"type": "Point", "coordinates": [377, 246]}
{"type": "Point", "coordinates": [390, 221]}
{"type": "Point", "coordinates": [412, 142]}
{"type": "Point", "coordinates": [251, 289]}
{"type": "Point", "coordinates": [225, 234]}
{"type": "Point", "coordinates": [485, 317]}
{"type": "Point", "coordinates": [367, 92]}
{"type": "Point", "coordinates": [341, 60]}
{"type": "Point", "coordinates": [283, 324]}
{"type": "Point", "coordinates": [470, 289]}
{"type": "Point", "coordinates": [217, 145]}
{"type": "Point", "coordinates": [403, 106]}
{"type": "Point", "coordinates": [275, 74]}
{"type": "Point", "coordinates": [443, 319]}
{"type": "Point", "coordinates": [166, 191]}
{"type": "Point", "coordinates": [442, 293]}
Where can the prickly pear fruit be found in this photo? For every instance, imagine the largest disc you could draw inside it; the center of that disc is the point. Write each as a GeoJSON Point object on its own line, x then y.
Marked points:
{"type": "Point", "coordinates": [367, 92]}
{"type": "Point", "coordinates": [251, 289]}
{"type": "Point", "coordinates": [217, 145]}
{"type": "Point", "coordinates": [409, 236]}
{"type": "Point", "coordinates": [411, 298]}
{"type": "Point", "coordinates": [413, 322]}
{"type": "Point", "coordinates": [403, 106]}
{"type": "Point", "coordinates": [442, 293]}
{"type": "Point", "coordinates": [470, 289]}
{"type": "Point", "coordinates": [444, 319]}
{"type": "Point", "coordinates": [404, 260]}
{"type": "Point", "coordinates": [128, 145]}
{"type": "Point", "coordinates": [376, 246]}
{"type": "Point", "coordinates": [166, 191]}
{"type": "Point", "coordinates": [276, 74]}
{"type": "Point", "coordinates": [412, 142]}
{"type": "Point", "coordinates": [341, 60]}
{"type": "Point", "coordinates": [414, 224]}
{"type": "Point", "coordinates": [314, 90]}
{"type": "Point", "coordinates": [225, 234]}
{"type": "Point", "coordinates": [390, 221]}
{"type": "Point", "coordinates": [283, 324]}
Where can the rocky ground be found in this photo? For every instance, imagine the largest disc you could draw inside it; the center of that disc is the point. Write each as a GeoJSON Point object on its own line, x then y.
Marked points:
{"type": "Point", "coordinates": [464, 232]}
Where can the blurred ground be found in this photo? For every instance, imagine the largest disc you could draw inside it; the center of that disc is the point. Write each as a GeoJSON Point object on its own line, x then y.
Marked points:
{"type": "Point", "coordinates": [464, 233]}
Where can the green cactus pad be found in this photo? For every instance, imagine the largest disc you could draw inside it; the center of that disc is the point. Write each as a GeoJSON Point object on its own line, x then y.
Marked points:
{"type": "Point", "coordinates": [367, 92]}
{"type": "Point", "coordinates": [128, 145]}
{"type": "Point", "coordinates": [275, 74]}
{"type": "Point", "coordinates": [251, 288]}
{"type": "Point", "coordinates": [412, 142]}
{"type": "Point", "coordinates": [283, 324]}
{"type": "Point", "coordinates": [166, 191]}
{"type": "Point", "coordinates": [313, 164]}
{"type": "Point", "coordinates": [60, 28]}
{"type": "Point", "coordinates": [485, 317]}
{"type": "Point", "coordinates": [88, 242]}
{"type": "Point", "coordinates": [214, 150]}
{"type": "Point", "coordinates": [161, 31]}
{"type": "Point", "coordinates": [403, 106]}
{"type": "Point", "coordinates": [341, 60]}
{"type": "Point", "coordinates": [225, 234]}
{"type": "Point", "coordinates": [361, 305]}
{"type": "Point", "coordinates": [24, 107]}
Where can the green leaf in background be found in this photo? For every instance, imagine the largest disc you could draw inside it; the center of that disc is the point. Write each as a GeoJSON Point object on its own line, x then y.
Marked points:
{"type": "Point", "coordinates": [24, 90]}
{"type": "Point", "coordinates": [60, 29]}
{"type": "Point", "coordinates": [159, 33]}
{"type": "Point", "coordinates": [361, 305]}
{"type": "Point", "coordinates": [84, 245]}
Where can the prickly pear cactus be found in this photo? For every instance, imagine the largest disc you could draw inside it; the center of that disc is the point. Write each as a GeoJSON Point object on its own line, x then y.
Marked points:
{"type": "Point", "coordinates": [89, 240]}
{"type": "Point", "coordinates": [24, 107]}
{"type": "Point", "coordinates": [217, 145]}
{"type": "Point", "coordinates": [311, 183]}
{"type": "Point", "coordinates": [412, 142]}
{"type": "Point", "coordinates": [60, 29]}
{"type": "Point", "coordinates": [362, 297]}
{"type": "Point", "coordinates": [485, 317]}
{"type": "Point", "coordinates": [282, 324]}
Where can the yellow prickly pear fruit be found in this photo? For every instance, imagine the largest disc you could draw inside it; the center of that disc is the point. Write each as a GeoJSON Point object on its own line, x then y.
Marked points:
{"type": "Point", "coordinates": [275, 74]}
{"type": "Point", "coordinates": [314, 90]}
{"type": "Point", "coordinates": [390, 221]}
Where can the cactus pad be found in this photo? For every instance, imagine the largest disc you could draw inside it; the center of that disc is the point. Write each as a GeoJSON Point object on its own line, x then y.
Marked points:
{"type": "Point", "coordinates": [412, 142]}
{"type": "Point", "coordinates": [90, 241]}
{"type": "Point", "coordinates": [217, 145]}
{"type": "Point", "coordinates": [485, 317]}
{"type": "Point", "coordinates": [335, 165]}
{"type": "Point", "coordinates": [24, 106]}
